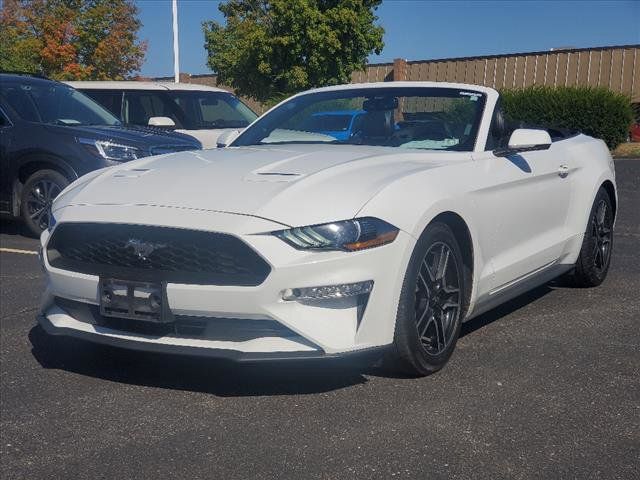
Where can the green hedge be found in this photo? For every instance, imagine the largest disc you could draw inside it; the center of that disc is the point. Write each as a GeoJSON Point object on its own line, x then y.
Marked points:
{"type": "Point", "coordinates": [598, 112]}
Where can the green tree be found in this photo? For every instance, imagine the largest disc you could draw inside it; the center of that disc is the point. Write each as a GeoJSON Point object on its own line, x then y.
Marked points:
{"type": "Point", "coordinates": [18, 49]}
{"type": "Point", "coordinates": [270, 49]}
{"type": "Point", "coordinates": [71, 39]}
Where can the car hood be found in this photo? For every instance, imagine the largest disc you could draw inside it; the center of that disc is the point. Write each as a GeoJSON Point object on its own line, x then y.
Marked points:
{"type": "Point", "coordinates": [140, 137]}
{"type": "Point", "coordinates": [290, 184]}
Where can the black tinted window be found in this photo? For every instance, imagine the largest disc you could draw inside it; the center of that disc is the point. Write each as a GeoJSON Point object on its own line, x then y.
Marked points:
{"type": "Point", "coordinates": [111, 100]}
{"type": "Point", "coordinates": [188, 109]}
{"type": "Point", "coordinates": [140, 106]}
{"type": "Point", "coordinates": [202, 110]}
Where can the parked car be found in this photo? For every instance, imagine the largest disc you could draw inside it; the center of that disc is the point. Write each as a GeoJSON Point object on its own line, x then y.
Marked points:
{"type": "Point", "coordinates": [198, 110]}
{"type": "Point", "coordinates": [293, 244]}
{"type": "Point", "coordinates": [340, 124]}
{"type": "Point", "coordinates": [51, 134]}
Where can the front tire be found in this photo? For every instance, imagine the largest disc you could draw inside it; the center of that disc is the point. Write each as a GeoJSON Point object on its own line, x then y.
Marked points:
{"type": "Point", "coordinates": [594, 260]}
{"type": "Point", "coordinates": [433, 302]}
{"type": "Point", "coordinates": [37, 195]}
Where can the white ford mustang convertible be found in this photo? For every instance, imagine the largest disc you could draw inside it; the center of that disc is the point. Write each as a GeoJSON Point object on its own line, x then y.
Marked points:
{"type": "Point", "coordinates": [348, 220]}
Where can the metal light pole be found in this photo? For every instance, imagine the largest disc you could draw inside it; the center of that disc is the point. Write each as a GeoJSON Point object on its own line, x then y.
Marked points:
{"type": "Point", "coordinates": [176, 48]}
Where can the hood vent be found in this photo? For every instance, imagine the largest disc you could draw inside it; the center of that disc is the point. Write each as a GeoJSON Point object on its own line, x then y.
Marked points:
{"type": "Point", "coordinates": [267, 176]}
{"type": "Point", "coordinates": [131, 173]}
{"type": "Point", "coordinates": [282, 174]}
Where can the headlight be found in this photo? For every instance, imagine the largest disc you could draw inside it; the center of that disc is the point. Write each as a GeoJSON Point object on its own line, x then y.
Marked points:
{"type": "Point", "coordinates": [348, 235]}
{"type": "Point", "coordinates": [111, 151]}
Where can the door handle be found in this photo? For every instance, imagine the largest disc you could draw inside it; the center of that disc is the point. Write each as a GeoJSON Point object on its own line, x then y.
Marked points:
{"type": "Point", "coordinates": [563, 171]}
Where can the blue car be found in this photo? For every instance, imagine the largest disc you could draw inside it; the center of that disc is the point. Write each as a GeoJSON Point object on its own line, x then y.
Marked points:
{"type": "Point", "coordinates": [338, 124]}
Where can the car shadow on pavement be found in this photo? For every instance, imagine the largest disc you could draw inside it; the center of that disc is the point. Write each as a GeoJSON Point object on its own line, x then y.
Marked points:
{"type": "Point", "coordinates": [225, 378]}
{"type": "Point", "coordinates": [468, 328]}
{"type": "Point", "coordinates": [507, 308]}
{"type": "Point", "coordinates": [218, 377]}
{"type": "Point", "coordinates": [12, 227]}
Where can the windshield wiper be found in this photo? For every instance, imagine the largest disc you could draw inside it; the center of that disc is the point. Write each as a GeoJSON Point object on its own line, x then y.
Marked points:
{"type": "Point", "coordinates": [60, 122]}
{"type": "Point", "coordinates": [79, 124]}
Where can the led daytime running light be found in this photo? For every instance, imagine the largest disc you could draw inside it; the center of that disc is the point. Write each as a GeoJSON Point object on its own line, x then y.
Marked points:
{"type": "Point", "coordinates": [328, 292]}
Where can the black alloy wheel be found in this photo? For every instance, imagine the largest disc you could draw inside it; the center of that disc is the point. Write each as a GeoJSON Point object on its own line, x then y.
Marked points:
{"type": "Point", "coordinates": [433, 303]}
{"type": "Point", "coordinates": [38, 194]}
{"type": "Point", "coordinates": [594, 260]}
{"type": "Point", "coordinates": [438, 299]}
{"type": "Point", "coordinates": [601, 234]}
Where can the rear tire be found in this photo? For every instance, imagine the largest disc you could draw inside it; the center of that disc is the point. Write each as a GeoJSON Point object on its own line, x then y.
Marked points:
{"type": "Point", "coordinates": [37, 195]}
{"type": "Point", "coordinates": [594, 260]}
{"type": "Point", "coordinates": [433, 302]}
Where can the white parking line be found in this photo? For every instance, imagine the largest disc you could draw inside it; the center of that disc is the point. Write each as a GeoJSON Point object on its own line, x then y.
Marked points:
{"type": "Point", "coordinates": [15, 250]}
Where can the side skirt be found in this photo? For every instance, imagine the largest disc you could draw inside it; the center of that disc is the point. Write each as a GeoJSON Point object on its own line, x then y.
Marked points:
{"type": "Point", "coordinates": [518, 287]}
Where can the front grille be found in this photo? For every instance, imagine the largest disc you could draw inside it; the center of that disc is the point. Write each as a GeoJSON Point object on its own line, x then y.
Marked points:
{"type": "Point", "coordinates": [155, 254]}
{"type": "Point", "coordinates": [162, 149]}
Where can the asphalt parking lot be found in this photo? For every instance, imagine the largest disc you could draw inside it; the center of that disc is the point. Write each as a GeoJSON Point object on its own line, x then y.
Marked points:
{"type": "Point", "coordinates": [547, 386]}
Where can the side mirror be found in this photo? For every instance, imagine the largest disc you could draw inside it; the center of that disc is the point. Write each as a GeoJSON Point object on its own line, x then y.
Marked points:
{"type": "Point", "coordinates": [525, 140]}
{"type": "Point", "coordinates": [161, 122]}
{"type": "Point", "coordinates": [226, 138]}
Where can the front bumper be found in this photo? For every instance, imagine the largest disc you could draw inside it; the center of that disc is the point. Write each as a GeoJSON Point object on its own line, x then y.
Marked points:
{"type": "Point", "coordinates": [118, 340]}
{"type": "Point", "coordinates": [321, 329]}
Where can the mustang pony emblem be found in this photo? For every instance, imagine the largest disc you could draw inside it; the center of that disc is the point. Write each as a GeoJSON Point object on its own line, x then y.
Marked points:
{"type": "Point", "coordinates": [141, 248]}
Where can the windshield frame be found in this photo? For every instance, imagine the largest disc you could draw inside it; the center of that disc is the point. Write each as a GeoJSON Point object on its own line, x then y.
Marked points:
{"type": "Point", "coordinates": [281, 112]}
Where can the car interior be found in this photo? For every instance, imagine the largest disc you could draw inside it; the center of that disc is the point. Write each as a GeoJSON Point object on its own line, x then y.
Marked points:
{"type": "Point", "coordinates": [411, 123]}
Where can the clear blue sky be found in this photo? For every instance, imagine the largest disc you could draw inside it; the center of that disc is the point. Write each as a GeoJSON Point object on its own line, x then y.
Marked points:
{"type": "Point", "coordinates": [422, 29]}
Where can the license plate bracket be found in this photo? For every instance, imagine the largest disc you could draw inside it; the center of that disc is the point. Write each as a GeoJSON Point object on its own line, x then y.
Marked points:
{"type": "Point", "coordinates": [134, 300]}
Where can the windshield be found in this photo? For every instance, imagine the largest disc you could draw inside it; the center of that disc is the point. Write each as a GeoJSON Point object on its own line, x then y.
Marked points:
{"type": "Point", "coordinates": [414, 117]}
{"type": "Point", "coordinates": [189, 110]}
{"type": "Point", "coordinates": [54, 103]}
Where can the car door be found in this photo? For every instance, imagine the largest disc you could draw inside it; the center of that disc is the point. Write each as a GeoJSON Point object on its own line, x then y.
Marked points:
{"type": "Point", "coordinates": [522, 201]}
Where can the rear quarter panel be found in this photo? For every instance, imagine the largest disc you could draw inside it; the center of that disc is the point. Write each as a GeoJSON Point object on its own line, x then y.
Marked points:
{"type": "Point", "coordinates": [590, 166]}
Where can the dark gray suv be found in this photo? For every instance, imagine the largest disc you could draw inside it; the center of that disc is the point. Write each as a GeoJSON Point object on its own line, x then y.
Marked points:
{"type": "Point", "coordinates": [51, 134]}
